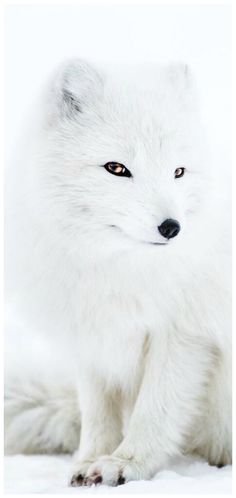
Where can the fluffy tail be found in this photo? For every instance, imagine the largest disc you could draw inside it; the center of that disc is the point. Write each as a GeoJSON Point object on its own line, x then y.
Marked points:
{"type": "Point", "coordinates": [41, 409]}
{"type": "Point", "coordinates": [40, 417]}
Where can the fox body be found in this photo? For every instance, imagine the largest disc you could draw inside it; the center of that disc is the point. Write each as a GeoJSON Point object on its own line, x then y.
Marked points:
{"type": "Point", "coordinates": [118, 256]}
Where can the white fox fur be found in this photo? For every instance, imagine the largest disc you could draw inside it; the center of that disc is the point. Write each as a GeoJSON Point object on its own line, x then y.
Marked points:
{"type": "Point", "coordinates": [136, 326]}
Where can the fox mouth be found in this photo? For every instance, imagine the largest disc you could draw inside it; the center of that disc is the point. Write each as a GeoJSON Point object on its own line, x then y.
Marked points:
{"type": "Point", "coordinates": [135, 240]}
{"type": "Point", "coordinates": [157, 243]}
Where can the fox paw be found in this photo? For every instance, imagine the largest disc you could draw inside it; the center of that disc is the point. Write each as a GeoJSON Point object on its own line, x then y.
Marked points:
{"type": "Point", "coordinates": [80, 471]}
{"type": "Point", "coordinates": [108, 470]}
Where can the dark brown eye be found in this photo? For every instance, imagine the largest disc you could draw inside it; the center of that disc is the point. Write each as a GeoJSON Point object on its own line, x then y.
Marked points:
{"type": "Point", "coordinates": [179, 172]}
{"type": "Point", "coordinates": [117, 169]}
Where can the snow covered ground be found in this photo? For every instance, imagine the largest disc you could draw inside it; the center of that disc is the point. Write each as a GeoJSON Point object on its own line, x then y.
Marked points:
{"type": "Point", "coordinates": [50, 474]}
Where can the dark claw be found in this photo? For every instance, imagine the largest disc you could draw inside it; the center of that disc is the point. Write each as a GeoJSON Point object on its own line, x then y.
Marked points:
{"type": "Point", "coordinates": [77, 480]}
{"type": "Point", "coordinates": [97, 480]}
{"type": "Point", "coordinates": [121, 480]}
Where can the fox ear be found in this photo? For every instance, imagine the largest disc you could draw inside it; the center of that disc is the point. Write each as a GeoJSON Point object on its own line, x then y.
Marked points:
{"type": "Point", "coordinates": [75, 87]}
{"type": "Point", "coordinates": [182, 84]}
{"type": "Point", "coordinates": [180, 75]}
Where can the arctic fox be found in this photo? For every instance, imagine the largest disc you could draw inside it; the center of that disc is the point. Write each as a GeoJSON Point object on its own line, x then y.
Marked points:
{"type": "Point", "coordinates": [118, 255]}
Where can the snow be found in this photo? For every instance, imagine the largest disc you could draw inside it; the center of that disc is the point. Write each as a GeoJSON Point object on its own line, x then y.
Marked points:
{"type": "Point", "coordinates": [50, 474]}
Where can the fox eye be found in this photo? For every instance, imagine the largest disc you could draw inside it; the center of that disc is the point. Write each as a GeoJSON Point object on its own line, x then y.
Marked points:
{"type": "Point", "coordinates": [179, 172]}
{"type": "Point", "coordinates": [117, 169]}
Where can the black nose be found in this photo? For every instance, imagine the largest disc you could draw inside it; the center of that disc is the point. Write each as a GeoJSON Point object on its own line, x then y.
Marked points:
{"type": "Point", "coordinates": [169, 228]}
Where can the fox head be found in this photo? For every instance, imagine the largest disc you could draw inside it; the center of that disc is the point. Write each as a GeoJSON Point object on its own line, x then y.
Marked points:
{"type": "Point", "coordinates": [124, 155]}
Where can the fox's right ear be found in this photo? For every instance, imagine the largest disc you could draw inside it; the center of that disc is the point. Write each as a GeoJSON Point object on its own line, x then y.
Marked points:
{"type": "Point", "coordinates": [75, 87]}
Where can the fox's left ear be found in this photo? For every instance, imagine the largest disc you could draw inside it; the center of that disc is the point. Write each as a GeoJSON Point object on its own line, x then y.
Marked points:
{"type": "Point", "coordinates": [74, 88]}
{"type": "Point", "coordinates": [181, 78]}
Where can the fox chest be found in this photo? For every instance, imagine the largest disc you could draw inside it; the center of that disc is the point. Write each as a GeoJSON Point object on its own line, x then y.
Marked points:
{"type": "Point", "coordinates": [112, 335]}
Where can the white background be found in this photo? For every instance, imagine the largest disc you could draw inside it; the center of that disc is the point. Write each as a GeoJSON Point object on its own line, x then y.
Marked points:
{"type": "Point", "coordinates": [38, 38]}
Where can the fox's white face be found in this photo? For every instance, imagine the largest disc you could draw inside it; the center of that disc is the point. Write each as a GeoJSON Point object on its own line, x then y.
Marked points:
{"type": "Point", "coordinates": [126, 154]}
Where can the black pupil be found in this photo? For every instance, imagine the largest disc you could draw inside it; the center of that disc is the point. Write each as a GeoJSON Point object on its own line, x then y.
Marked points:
{"type": "Point", "coordinates": [117, 168]}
